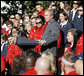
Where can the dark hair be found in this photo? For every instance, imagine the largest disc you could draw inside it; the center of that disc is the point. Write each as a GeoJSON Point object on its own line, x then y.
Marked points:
{"type": "Point", "coordinates": [4, 36]}
{"type": "Point", "coordinates": [32, 52]}
{"type": "Point", "coordinates": [65, 14]}
{"type": "Point", "coordinates": [39, 4]}
{"type": "Point", "coordinates": [41, 17]}
{"type": "Point", "coordinates": [28, 62]}
{"type": "Point", "coordinates": [9, 22]}
{"type": "Point", "coordinates": [79, 2]}
{"type": "Point", "coordinates": [33, 18]}
{"type": "Point", "coordinates": [36, 11]}
{"type": "Point", "coordinates": [17, 64]}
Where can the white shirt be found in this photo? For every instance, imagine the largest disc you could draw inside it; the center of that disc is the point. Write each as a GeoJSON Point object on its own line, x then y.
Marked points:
{"type": "Point", "coordinates": [62, 24]}
{"type": "Point", "coordinates": [74, 12]}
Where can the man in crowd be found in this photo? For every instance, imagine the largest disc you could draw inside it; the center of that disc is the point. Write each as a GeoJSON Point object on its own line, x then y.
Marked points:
{"type": "Point", "coordinates": [39, 7]}
{"type": "Point", "coordinates": [51, 33]}
{"type": "Point", "coordinates": [49, 38]}
{"type": "Point", "coordinates": [42, 66]}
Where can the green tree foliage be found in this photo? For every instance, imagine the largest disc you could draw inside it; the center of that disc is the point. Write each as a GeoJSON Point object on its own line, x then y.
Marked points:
{"type": "Point", "coordinates": [30, 5]}
{"type": "Point", "coordinates": [27, 6]}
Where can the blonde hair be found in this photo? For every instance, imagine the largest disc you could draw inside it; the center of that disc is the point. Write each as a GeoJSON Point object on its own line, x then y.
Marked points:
{"type": "Point", "coordinates": [50, 56]}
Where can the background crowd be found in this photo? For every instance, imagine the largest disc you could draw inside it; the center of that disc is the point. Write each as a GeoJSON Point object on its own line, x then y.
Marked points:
{"type": "Point", "coordinates": [49, 42]}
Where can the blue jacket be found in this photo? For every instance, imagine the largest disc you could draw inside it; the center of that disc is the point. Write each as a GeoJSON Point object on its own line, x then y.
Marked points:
{"type": "Point", "coordinates": [70, 17]}
{"type": "Point", "coordinates": [4, 50]}
{"type": "Point", "coordinates": [64, 31]}
{"type": "Point", "coordinates": [78, 24]}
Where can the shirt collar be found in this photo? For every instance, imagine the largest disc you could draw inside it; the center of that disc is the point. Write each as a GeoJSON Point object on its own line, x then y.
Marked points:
{"type": "Point", "coordinates": [64, 23]}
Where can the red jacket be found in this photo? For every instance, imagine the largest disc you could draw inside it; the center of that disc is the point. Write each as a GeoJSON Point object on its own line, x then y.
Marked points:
{"type": "Point", "coordinates": [36, 34]}
{"type": "Point", "coordinates": [3, 31]}
{"type": "Point", "coordinates": [13, 50]}
{"type": "Point", "coordinates": [3, 63]}
{"type": "Point", "coordinates": [42, 13]}
{"type": "Point", "coordinates": [79, 45]}
{"type": "Point", "coordinates": [59, 41]}
{"type": "Point", "coordinates": [68, 49]}
{"type": "Point", "coordinates": [31, 71]}
{"type": "Point", "coordinates": [48, 74]}
{"type": "Point", "coordinates": [71, 73]}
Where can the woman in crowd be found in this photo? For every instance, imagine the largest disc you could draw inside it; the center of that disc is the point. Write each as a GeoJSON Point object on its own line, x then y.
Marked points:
{"type": "Point", "coordinates": [62, 4]}
{"type": "Point", "coordinates": [67, 9]}
{"type": "Point", "coordinates": [16, 24]}
{"type": "Point", "coordinates": [37, 31]}
{"type": "Point", "coordinates": [73, 36]}
{"type": "Point", "coordinates": [64, 25]}
{"type": "Point", "coordinates": [26, 20]}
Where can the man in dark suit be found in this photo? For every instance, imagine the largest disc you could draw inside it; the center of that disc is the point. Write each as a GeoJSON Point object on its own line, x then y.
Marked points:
{"type": "Point", "coordinates": [51, 33]}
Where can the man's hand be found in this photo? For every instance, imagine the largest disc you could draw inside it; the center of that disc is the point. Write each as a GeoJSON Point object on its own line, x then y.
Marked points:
{"type": "Point", "coordinates": [11, 40]}
{"type": "Point", "coordinates": [42, 42]}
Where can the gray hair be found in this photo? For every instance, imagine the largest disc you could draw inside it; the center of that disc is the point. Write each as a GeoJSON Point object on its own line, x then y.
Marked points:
{"type": "Point", "coordinates": [50, 11]}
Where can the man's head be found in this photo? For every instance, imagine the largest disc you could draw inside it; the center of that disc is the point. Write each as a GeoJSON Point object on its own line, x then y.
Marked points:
{"type": "Point", "coordinates": [42, 66]}
{"type": "Point", "coordinates": [49, 14]}
{"type": "Point", "coordinates": [79, 63]}
{"type": "Point", "coordinates": [28, 62]}
{"type": "Point", "coordinates": [79, 66]}
{"type": "Point", "coordinates": [39, 7]}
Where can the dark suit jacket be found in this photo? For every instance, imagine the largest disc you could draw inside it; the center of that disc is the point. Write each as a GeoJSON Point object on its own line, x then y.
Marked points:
{"type": "Point", "coordinates": [78, 24]}
{"type": "Point", "coordinates": [51, 35]}
{"type": "Point", "coordinates": [70, 17]}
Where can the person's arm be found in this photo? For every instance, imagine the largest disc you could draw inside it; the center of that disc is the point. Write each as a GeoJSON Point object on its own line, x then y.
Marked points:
{"type": "Point", "coordinates": [53, 36]}
{"type": "Point", "coordinates": [25, 41]}
{"type": "Point", "coordinates": [21, 41]}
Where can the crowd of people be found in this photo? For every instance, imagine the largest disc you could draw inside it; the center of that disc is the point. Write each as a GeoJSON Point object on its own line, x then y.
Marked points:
{"type": "Point", "coordinates": [50, 42]}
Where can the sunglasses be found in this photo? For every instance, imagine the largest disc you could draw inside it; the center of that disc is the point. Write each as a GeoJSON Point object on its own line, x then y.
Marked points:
{"type": "Point", "coordinates": [80, 10]}
{"type": "Point", "coordinates": [12, 18]}
{"type": "Point", "coordinates": [38, 22]}
{"type": "Point", "coordinates": [76, 3]}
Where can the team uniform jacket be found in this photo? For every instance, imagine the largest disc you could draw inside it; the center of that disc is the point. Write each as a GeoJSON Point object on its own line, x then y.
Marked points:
{"type": "Point", "coordinates": [3, 63]}
{"type": "Point", "coordinates": [13, 50]}
{"type": "Point", "coordinates": [36, 34]}
{"type": "Point", "coordinates": [79, 45]}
